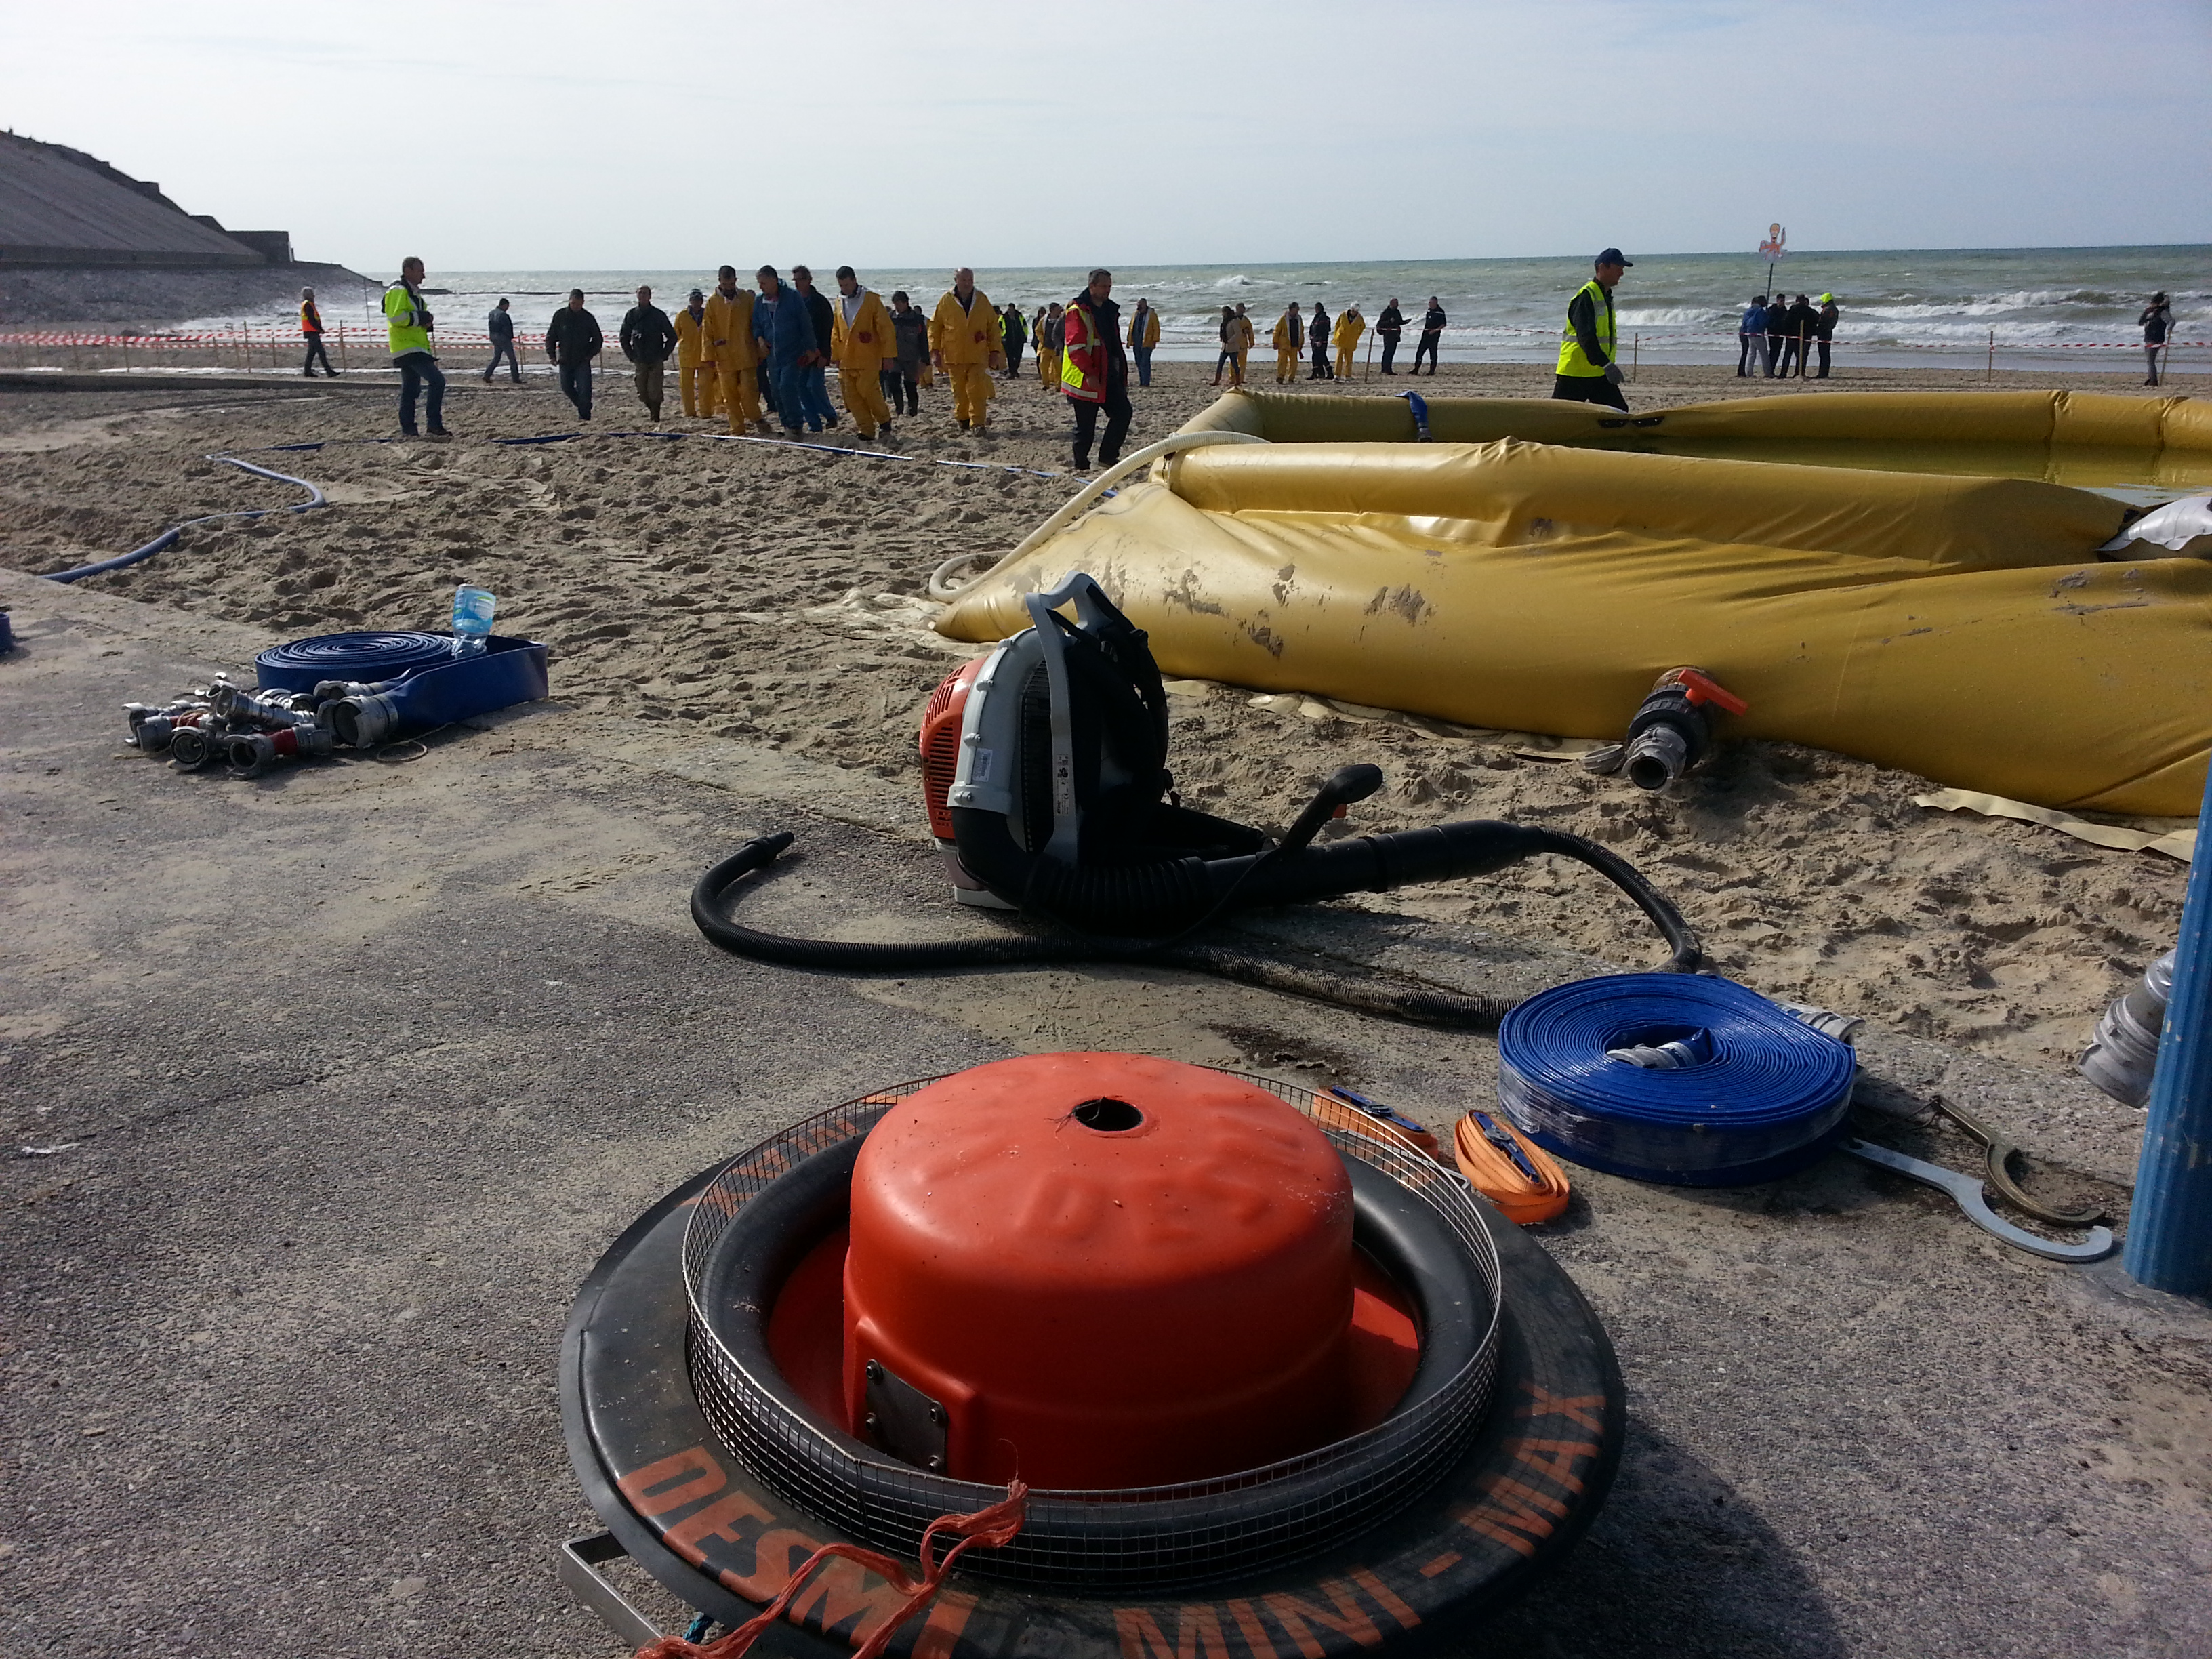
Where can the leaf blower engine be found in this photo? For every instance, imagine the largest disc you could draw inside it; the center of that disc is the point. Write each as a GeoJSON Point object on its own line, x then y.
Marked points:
{"type": "Point", "coordinates": [1044, 771]}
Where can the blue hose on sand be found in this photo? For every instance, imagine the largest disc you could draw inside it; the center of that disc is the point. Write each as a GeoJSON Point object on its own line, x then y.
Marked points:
{"type": "Point", "coordinates": [1681, 1079]}
{"type": "Point", "coordinates": [169, 537]}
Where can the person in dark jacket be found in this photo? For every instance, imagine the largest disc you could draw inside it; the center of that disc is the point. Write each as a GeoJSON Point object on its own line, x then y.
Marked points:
{"type": "Point", "coordinates": [1777, 325]}
{"type": "Point", "coordinates": [1389, 327]}
{"type": "Point", "coordinates": [1015, 334]}
{"type": "Point", "coordinates": [647, 338]}
{"type": "Point", "coordinates": [572, 340]}
{"type": "Point", "coordinates": [1796, 330]}
{"type": "Point", "coordinates": [1825, 331]}
{"type": "Point", "coordinates": [1317, 338]}
{"type": "Point", "coordinates": [814, 376]}
{"type": "Point", "coordinates": [500, 325]}
{"type": "Point", "coordinates": [2156, 323]}
{"type": "Point", "coordinates": [1432, 332]}
{"type": "Point", "coordinates": [786, 342]}
{"type": "Point", "coordinates": [910, 332]}
{"type": "Point", "coordinates": [1751, 337]}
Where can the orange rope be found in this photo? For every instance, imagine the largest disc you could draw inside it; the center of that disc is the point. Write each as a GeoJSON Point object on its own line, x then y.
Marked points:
{"type": "Point", "coordinates": [991, 1528]}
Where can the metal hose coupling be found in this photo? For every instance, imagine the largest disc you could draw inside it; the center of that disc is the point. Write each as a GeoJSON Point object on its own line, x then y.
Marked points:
{"type": "Point", "coordinates": [191, 747]}
{"type": "Point", "coordinates": [2123, 1054]}
{"type": "Point", "coordinates": [253, 753]}
{"type": "Point", "coordinates": [332, 690]}
{"type": "Point", "coordinates": [362, 722]}
{"type": "Point", "coordinates": [152, 725]}
{"type": "Point", "coordinates": [267, 710]}
{"type": "Point", "coordinates": [1673, 731]}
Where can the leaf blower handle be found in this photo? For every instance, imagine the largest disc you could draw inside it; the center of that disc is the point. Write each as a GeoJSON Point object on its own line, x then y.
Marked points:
{"type": "Point", "coordinates": [1345, 785]}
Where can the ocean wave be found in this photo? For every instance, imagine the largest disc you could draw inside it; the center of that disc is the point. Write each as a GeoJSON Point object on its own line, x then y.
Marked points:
{"type": "Point", "coordinates": [1237, 280]}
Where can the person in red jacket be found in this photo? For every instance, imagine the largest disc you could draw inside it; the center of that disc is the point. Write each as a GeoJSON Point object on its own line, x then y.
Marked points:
{"type": "Point", "coordinates": [310, 328]}
{"type": "Point", "coordinates": [1094, 373]}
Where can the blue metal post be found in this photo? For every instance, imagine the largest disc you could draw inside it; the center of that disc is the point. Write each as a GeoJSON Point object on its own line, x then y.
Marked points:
{"type": "Point", "coordinates": [2170, 1228]}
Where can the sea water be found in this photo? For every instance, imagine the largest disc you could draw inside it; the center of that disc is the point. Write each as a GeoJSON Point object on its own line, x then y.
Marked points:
{"type": "Point", "coordinates": [2058, 308]}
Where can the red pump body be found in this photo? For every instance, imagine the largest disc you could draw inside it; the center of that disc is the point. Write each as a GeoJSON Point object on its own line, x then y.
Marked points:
{"type": "Point", "coordinates": [940, 743]}
{"type": "Point", "coordinates": [1108, 1270]}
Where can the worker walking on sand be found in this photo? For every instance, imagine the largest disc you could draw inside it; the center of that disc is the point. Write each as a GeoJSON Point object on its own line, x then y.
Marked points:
{"type": "Point", "coordinates": [1096, 373]}
{"type": "Point", "coordinates": [783, 334]}
{"type": "Point", "coordinates": [499, 328]}
{"type": "Point", "coordinates": [1144, 338]}
{"type": "Point", "coordinates": [1289, 341]}
{"type": "Point", "coordinates": [695, 370]}
{"type": "Point", "coordinates": [1243, 337]}
{"type": "Point", "coordinates": [572, 340]}
{"type": "Point", "coordinates": [963, 342]}
{"type": "Point", "coordinates": [647, 337]}
{"type": "Point", "coordinates": [911, 330]}
{"type": "Point", "coordinates": [311, 329]}
{"type": "Point", "coordinates": [1589, 371]}
{"type": "Point", "coordinates": [407, 323]}
{"type": "Point", "coordinates": [728, 325]}
{"type": "Point", "coordinates": [1014, 335]}
{"type": "Point", "coordinates": [860, 340]}
{"type": "Point", "coordinates": [1317, 337]}
{"type": "Point", "coordinates": [814, 373]}
{"type": "Point", "coordinates": [1350, 326]}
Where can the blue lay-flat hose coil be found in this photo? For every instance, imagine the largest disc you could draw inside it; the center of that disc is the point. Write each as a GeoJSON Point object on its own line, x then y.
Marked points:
{"type": "Point", "coordinates": [1769, 1098]}
{"type": "Point", "coordinates": [435, 688]}
{"type": "Point", "coordinates": [304, 664]}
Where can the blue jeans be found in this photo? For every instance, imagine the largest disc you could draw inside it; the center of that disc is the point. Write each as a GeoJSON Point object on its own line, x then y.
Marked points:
{"type": "Point", "coordinates": [783, 393]}
{"type": "Point", "coordinates": [1144, 365]}
{"type": "Point", "coordinates": [814, 397]}
{"type": "Point", "coordinates": [502, 349]}
{"type": "Point", "coordinates": [418, 369]}
{"type": "Point", "coordinates": [576, 386]}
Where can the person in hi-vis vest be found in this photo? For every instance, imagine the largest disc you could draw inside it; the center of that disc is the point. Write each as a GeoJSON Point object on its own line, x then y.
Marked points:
{"type": "Point", "coordinates": [1590, 366]}
{"type": "Point", "coordinates": [965, 343]}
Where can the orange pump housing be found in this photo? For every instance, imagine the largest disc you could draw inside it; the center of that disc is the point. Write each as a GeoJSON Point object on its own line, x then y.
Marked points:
{"type": "Point", "coordinates": [1109, 1270]}
{"type": "Point", "coordinates": [940, 742]}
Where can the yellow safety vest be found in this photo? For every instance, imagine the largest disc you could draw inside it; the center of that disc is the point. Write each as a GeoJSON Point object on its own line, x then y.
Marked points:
{"type": "Point", "coordinates": [1572, 358]}
{"type": "Point", "coordinates": [402, 322]}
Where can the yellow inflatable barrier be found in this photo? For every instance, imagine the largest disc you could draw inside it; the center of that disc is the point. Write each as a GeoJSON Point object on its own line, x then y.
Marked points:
{"type": "Point", "coordinates": [1901, 577]}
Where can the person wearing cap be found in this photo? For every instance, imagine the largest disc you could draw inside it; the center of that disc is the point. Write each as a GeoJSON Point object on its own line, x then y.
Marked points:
{"type": "Point", "coordinates": [2156, 323]}
{"type": "Point", "coordinates": [691, 326]}
{"type": "Point", "coordinates": [1589, 369]}
{"type": "Point", "coordinates": [1825, 331]}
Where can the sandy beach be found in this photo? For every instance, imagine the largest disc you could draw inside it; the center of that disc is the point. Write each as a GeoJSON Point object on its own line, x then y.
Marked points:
{"type": "Point", "coordinates": [778, 595]}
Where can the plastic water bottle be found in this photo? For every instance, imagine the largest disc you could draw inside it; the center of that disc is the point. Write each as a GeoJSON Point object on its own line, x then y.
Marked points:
{"type": "Point", "coordinates": [472, 609]}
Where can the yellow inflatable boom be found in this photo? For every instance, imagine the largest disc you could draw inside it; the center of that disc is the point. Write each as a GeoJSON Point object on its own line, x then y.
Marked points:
{"type": "Point", "coordinates": [1893, 576]}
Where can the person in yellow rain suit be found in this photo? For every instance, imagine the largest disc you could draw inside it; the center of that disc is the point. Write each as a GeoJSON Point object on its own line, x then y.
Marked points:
{"type": "Point", "coordinates": [1290, 340]}
{"type": "Point", "coordinates": [691, 359]}
{"type": "Point", "coordinates": [965, 341]}
{"type": "Point", "coordinates": [861, 341]}
{"type": "Point", "coordinates": [729, 328]}
{"type": "Point", "coordinates": [1241, 339]}
{"type": "Point", "coordinates": [1051, 342]}
{"type": "Point", "coordinates": [1350, 326]}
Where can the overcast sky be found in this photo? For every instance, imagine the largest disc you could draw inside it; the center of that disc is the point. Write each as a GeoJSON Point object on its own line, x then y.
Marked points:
{"type": "Point", "coordinates": [584, 138]}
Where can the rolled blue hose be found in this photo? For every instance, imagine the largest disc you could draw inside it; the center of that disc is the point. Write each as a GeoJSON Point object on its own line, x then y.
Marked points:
{"type": "Point", "coordinates": [369, 657]}
{"type": "Point", "coordinates": [1766, 1094]}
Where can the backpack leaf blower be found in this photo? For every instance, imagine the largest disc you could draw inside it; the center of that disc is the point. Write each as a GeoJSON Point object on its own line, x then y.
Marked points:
{"type": "Point", "coordinates": [1044, 772]}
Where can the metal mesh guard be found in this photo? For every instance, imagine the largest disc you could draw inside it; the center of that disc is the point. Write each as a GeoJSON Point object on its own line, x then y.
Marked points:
{"type": "Point", "coordinates": [1157, 1536]}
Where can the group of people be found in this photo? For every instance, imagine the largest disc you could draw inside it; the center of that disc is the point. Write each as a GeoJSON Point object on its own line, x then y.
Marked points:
{"type": "Point", "coordinates": [752, 352]}
{"type": "Point", "coordinates": [1775, 329]}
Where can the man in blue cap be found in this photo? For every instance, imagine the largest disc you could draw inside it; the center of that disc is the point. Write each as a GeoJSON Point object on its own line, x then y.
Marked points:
{"type": "Point", "coordinates": [1590, 367]}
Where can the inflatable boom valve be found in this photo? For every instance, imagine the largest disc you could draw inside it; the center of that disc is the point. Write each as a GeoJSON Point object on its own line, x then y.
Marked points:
{"type": "Point", "coordinates": [1674, 729]}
